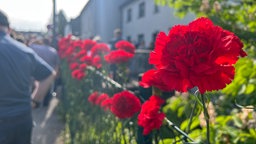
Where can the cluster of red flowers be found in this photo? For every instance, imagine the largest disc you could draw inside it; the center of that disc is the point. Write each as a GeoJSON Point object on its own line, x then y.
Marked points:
{"type": "Point", "coordinates": [125, 51]}
{"type": "Point", "coordinates": [150, 117]}
{"type": "Point", "coordinates": [97, 98]}
{"type": "Point", "coordinates": [198, 54]}
{"type": "Point", "coordinates": [123, 104]}
{"type": "Point", "coordinates": [83, 53]}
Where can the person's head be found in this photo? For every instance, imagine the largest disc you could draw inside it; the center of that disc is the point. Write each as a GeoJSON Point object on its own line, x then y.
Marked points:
{"type": "Point", "coordinates": [117, 33]}
{"type": "Point", "coordinates": [46, 41]}
{"type": "Point", "coordinates": [4, 22]}
{"type": "Point", "coordinates": [97, 38]}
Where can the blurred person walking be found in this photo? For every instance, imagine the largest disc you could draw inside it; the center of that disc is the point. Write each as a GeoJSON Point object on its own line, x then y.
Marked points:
{"type": "Point", "coordinates": [50, 55]}
{"type": "Point", "coordinates": [117, 37]}
{"type": "Point", "coordinates": [18, 64]}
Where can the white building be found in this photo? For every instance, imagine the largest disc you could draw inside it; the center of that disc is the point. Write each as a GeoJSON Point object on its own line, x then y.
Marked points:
{"type": "Point", "coordinates": [101, 17]}
{"type": "Point", "coordinates": [143, 19]}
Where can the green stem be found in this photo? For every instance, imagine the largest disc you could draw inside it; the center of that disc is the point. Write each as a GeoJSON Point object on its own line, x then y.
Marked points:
{"type": "Point", "coordinates": [111, 81]}
{"type": "Point", "coordinates": [177, 129]}
{"type": "Point", "coordinates": [198, 100]}
{"type": "Point", "coordinates": [207, 118]}
{"type": "Point", "coordinates": [191, 117]}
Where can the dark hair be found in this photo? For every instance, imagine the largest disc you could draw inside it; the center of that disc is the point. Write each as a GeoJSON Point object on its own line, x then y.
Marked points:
{"type": "Point", "coordinates": [3, 19]}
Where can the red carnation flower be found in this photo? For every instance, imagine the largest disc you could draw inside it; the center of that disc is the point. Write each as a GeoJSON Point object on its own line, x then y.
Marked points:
{"type": "Point", "coordinates": [93, 97]}
{"type": "Point", "coordinates": [87, 59]}
{"type": "Point", "coordinates": [69, 51]}
{"type": "Point", "coordinates": [150, 78]}
{"type": "Point", "coordinates": [97, 61]}
{"type": "Point", "coordinates": [106, 104]}
{"type": "Point", "coordinates": [82, 67]}
{"type": "Point", "coordinates": [101, 98]}
{"type": "Point", "coordinates": [78, 74]}
{"type": "Point", "coordinates": [126, 46]}
{"type": "Point", "coordinates": [74, 66]}
{"type": "Point", "coordinates": [150, 117]}
{"type": "Point", "coordinates": [77, 44]}
{"type": "Point", "coordinates": [81, 54]}
{"type": "Point", "coordinates": [118, 56]}
{"type": "Point", "coordinates": [125, 104]}
{"type": "Point", "coordinates": [100, 49]}
{"type": "Point", "coordinates": [63, 44]}
{"type": "Point", "coordinates": [199, 54]}
{"type": "Point", "coordinates": [88, 44]}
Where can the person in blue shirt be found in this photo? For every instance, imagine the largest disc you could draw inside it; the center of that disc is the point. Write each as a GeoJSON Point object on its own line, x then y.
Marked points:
{"type": "Point", "coordinates": [18, 64]}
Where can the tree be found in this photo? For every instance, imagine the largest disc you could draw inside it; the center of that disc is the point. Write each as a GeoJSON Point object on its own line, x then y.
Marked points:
{"type": "Point", "coordinates": [238, 16]}
{"type": "Point", "coordinates": [61, 23]}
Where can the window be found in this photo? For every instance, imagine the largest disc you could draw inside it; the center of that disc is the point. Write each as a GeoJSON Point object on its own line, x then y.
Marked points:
{"type": "Point", "coordinates": [128, 38]}
{"type": "Point", "coordinates": [154, 35]}
{"type": "Point", "coordinates": [141, 9]}
{"type": "Point", "coordinates": [129, 15]}
{"type": "Point", "coordinates": [156, 8]}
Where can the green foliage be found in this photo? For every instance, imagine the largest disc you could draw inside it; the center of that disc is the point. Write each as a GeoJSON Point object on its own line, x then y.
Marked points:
{"type": "Point", "coordinates": [244, 82]}
{"type": "Point", "coordinates": [231, 128]}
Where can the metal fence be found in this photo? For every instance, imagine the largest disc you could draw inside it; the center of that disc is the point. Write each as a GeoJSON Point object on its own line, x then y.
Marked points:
{"type": "Point", "coordinates": [139, 64]}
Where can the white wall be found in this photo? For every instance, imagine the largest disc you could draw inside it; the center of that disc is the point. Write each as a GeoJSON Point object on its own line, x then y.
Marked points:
{"type": "Point", "coordinates": [151, 22]}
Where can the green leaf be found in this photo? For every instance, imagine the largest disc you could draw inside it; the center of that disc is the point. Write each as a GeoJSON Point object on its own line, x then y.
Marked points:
{"type": "Point", "coordinates": [249, 88]}
{"type": "Point", "coordinates": [238, 122]}
{"type": "Point", "coordinates": [166, 141]}
{"type": "Point", "coordinates": [253, 132]}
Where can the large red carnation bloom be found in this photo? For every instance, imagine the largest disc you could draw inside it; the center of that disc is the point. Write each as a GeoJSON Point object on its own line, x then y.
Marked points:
{"type": "Point", "coordinates": [150, 117]}
{"type": "Point", "coordinates": [150, 78]}
{"type": "Point", "coordinates": [125, 104]}
{"type": "Point", "coordinates": [199, 54]}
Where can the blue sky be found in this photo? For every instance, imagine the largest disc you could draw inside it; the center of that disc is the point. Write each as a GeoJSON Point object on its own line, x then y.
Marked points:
{"type": "Point", "coordinates": [34, 15]}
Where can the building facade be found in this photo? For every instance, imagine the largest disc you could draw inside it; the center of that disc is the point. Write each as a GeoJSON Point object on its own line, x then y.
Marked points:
{"type": "Point", "coordinates": [139, 20]}
{"type": "Point", "coordinates": [142, 20]}
{"type": "Point", "coordinates": [100, 18]}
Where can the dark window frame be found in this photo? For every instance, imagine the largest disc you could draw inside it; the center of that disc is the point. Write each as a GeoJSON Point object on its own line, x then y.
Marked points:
{"type": "Point", "coordinates": [141, 37]}
{"type": "Point", "coordinates": [142, 10]}
{"type": "Point", "coordinates": [156, 8]}
{"type": "Point", "coordinates": [129, 15]}
{"type": "Point", "coordinates": [129, 38]}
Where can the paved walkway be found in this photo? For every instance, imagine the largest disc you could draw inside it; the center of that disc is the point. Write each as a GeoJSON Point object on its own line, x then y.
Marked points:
{"type": "Point", "coordinates": [48, 128]}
